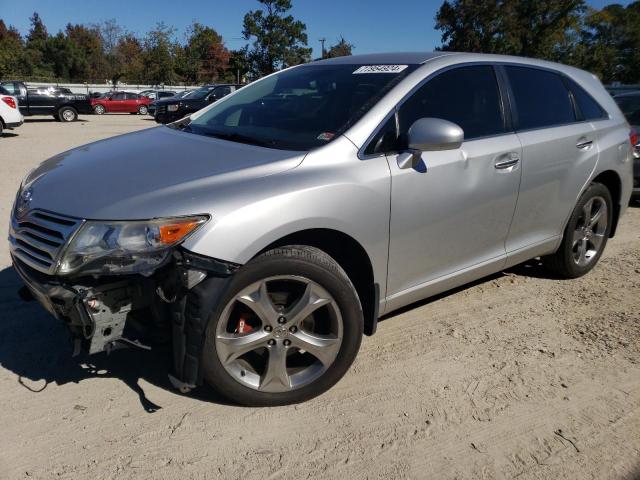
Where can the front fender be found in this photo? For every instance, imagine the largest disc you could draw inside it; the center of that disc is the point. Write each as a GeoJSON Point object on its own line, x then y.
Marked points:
{"type": "Point", "coordinates": [348, 195]}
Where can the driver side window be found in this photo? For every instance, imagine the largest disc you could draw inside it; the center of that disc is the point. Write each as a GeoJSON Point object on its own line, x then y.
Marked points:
{"type": "Point", "coordinates": [467, 96]}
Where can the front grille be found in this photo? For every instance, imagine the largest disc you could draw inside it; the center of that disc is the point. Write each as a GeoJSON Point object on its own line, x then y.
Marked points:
{"type": "Point", "coordinates": [38, 237]}
{"type": "Point", "coordinates": [161, 109]}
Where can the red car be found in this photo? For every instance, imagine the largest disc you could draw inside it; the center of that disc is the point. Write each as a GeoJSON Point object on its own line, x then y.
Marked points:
{"type": "Point", "coordinates": [119, 102]}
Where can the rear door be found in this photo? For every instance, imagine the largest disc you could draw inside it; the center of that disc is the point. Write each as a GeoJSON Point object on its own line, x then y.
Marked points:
{"type": "Point", "coordinates": [559, 153]}
{"type": "Point", "coordinates": [131, 102]}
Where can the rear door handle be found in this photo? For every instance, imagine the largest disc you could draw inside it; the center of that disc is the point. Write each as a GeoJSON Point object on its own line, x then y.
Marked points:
{"type": "Point", "coordinates": [507, 161]}
{"type": "Point", "coordinates": [584, 144]}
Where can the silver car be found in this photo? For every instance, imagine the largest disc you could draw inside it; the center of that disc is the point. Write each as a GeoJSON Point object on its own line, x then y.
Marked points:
{"type": "Point", "coordinates": [268, 232]}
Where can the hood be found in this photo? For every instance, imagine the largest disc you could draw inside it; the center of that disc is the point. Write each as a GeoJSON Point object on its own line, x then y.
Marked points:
{"type": "Point", "coordinates": [152, 173]}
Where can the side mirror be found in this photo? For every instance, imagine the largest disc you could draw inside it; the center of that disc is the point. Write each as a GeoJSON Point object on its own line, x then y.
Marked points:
{"type": "Point", "coordinates": [430, 135]}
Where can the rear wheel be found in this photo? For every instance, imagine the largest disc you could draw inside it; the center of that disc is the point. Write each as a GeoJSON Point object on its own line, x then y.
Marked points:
{"type": "Point", "coordinates": [586, 234]}
{"type": "Point", "coordinates": [67, 114]}
{"type": "Point", "coordinates": [142, 109]}
{"type": "Point", "coordinates": [287, 329]}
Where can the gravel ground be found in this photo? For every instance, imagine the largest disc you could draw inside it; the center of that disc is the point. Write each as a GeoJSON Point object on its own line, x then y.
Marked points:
{"type": "Point", "coordinates": [517, 375]}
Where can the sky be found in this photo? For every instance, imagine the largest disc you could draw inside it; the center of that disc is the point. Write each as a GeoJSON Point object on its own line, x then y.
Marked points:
{"type": "Point", "coordinates": [371, 25]}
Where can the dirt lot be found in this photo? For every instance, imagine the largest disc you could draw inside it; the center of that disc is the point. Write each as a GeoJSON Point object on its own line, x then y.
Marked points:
{"type": "Point", "coordinates": [515, 376]}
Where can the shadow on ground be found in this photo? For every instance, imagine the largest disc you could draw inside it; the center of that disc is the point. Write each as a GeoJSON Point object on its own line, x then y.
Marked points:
{"type": "Point", "coordinates": [36, 348]}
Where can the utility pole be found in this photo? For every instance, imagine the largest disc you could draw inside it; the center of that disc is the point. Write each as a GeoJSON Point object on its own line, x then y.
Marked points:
{"type": "Point", "coordinates": [322, 40]}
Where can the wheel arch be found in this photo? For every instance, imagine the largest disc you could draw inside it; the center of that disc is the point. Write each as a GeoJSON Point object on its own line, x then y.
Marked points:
{"type": "Point", "coordinates": [613, 182]}
{"type": "Point", "coordinates": [351, 256]}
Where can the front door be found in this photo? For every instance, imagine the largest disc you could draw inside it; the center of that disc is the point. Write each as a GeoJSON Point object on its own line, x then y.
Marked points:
{"type": "Point", "coordinates": [118, 102]}
{"type": "Point", "coordinates": [452, 213]}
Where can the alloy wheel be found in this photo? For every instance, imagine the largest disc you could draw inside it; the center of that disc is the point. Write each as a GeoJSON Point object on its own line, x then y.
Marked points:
{"type": "Point", "coordinates": [279, 334]}
{"type": "Point", "coordinates": [588, 236]}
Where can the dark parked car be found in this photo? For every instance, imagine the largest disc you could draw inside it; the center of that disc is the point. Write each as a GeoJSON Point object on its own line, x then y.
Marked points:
{"type": "Point", "coordinates": [120, 102]}
{"type": "Point", "coordinates": [152, 105]}
{"type": "Point", "coordinates": [629, 103]}
{"type": "Point", "coordinates": [157, 94]}
{"type": "Point", "coordinates": [53, 101]}
{"type": "Point", "coordinates": [171, 109]}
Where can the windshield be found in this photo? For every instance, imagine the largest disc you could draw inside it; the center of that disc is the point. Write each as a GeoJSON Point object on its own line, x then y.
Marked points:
{"type": "Point", "coordinates": [301, 108]}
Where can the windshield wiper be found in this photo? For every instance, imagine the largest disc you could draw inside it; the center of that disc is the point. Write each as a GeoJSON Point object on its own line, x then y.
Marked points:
{"type": "Point", "coordinates": [237, 137]}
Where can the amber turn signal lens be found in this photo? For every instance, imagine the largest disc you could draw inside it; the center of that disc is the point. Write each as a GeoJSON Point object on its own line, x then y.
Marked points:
{"type": "Point", "coordinates": [173, 233]}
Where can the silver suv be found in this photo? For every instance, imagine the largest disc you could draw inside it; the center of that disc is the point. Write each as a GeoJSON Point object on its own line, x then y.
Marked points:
{"type": "Point", "coordinates": [266, 233]}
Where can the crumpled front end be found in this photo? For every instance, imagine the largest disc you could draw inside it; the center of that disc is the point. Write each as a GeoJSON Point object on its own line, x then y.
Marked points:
{"type": "Point", "coordinates": [106, 311]}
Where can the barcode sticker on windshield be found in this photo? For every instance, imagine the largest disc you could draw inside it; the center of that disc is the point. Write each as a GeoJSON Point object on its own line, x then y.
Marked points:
{"type": "Point", "coordinates": [380, 69]}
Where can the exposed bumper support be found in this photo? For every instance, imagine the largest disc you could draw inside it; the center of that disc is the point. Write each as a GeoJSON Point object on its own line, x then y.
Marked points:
{"type": "Point", "coordinates": [99, 311]}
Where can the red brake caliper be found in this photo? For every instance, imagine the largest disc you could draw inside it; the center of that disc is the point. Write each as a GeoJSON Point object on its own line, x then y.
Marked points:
{"type": "Point", "coordinates": [243, 325]}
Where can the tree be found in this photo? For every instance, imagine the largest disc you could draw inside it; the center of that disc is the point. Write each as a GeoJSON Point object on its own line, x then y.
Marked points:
{"type": "Point", "coordinates": [110, 32]}
{"type": "Point", "coordinates": [532, 28]}
{"type": "Point", "coordinates": [11, 51]}
{"type": "Point", "coordinates": [86, 46]}
{"type": "Point", "coordinates": [610, 45]}
{"type": "Point", "coordinates": [279, 40]}
{"type": "Point", "coordinates": [36, 63]}
{"type": "Point", "coordinates": [204, 58]}
{"type": "Point", "coordinates": [340, 49]}
{"type": "Point", "coordinates": [159, 54]}
{"type": "Point", "coordinates": [128, 60]}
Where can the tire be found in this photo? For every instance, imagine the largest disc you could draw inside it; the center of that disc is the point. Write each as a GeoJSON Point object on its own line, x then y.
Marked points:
{"type": "Point", "coordinates": [294, 276]}
{"type": "Point", "coordinates": [67, 114]}
{"type": "Point", "coordinates": [1, 127]}
{"type": "Point", "coordinates": [142, 110]}
{"type": "Point", "coordinates": [583, 242]}
{"type": "Point", "coordinates": [99, 109]}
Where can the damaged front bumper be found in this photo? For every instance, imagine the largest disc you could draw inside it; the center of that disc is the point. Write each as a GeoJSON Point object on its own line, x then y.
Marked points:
{"type": "Point", "coordinates": [108, 312]}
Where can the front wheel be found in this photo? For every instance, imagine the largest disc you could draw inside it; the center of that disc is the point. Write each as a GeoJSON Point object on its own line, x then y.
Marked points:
{"type": "Point", "coordinates": [142, 109]}
{"type": "Point", "coordinates": [586, 234]}
{"type": "Point", "coordinates": [287, 328]}
{"type": "Point", "coordinates": [99, 110]}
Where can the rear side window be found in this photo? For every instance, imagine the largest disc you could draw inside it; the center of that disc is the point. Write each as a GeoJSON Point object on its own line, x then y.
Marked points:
{"type": "Point", "coordinates": [132, 96]}
{"type": "Point", "coordinates": [541, 98]}
{"type": "Point", "coordinates": [11, 88]}
{"type": "Point", "coordinates": [467, 96]}
{"type": "Point", "coordinates": [588, 108]}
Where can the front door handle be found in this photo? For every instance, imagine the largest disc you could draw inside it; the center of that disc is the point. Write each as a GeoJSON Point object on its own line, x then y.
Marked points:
{"type": "Point", "coordinates": [584, 144]}
{"type": "Point", "coordinates": [507, 161]}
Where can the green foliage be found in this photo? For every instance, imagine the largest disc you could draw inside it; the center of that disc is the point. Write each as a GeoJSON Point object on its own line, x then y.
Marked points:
{"type": "Point", "coordinates": [340, 49]}
{"type": "Point", "coordinates": [279, 41]}
{"type": "Point", "coordinates": [606, 42]}
{"type": "Point", "coordinates": [204, 58]}
{"type": "Point", "coordinates": [11, 50]}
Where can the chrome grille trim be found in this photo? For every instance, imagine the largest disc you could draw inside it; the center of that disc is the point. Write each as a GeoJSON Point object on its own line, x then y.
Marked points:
{"type": "Point", "coordinates": [38, 237]}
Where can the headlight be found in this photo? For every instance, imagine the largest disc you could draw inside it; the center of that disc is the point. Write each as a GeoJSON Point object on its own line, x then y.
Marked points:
{"type": "Point", "coordinates": [172, 108]}
{"type": "Point", "coordinates": [125, 247]}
